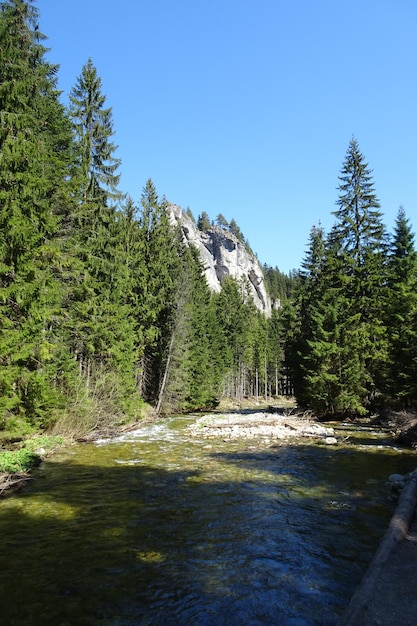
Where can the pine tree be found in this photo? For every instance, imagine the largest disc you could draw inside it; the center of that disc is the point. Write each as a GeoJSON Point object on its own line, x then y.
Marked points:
{"type": "Point", "coordinates": [34, 155]}
{"type": "Point", "coordinates": [101, 327]}
{"type": "Point", "coordinates": [235, 230]}
{"type": "Point", "coordinates": [93, 124]}
{"type": "Point", "coordinates": [203, 222]}
{"type": "Point", "coordinates": [221, 221]}
{"type": "Point", "coordinates": [235, 319]}
{"type": "Point", "coordinates": [341, 339]}
{"type": "Point", "coordinates": [361, 242]}
{"type": "Point", "coordinates": [401, 316]}
{"type": "Point", "coordinates": [311, 349]}
{"type": "Point", "coordinates": [157, 287]}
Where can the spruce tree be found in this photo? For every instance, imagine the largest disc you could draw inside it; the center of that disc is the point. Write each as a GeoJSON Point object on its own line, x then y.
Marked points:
{"type": "Point", "coordinates": [101, 329]}
{"type": "Point", "coordinates": [235, 317]}
{"type": "Point", "coordinates": [221, 221]}
{"type": "Point", "coordinates": [360, 240]}
{"type": "Point", "coordinates": [203, 222]}
{"type": "Point", "coordinates": [156, 288]}
{"type": "Point", "coordinates": [341, 339]}
{"type": "Point", "coordinates": [93, 125]}
{"type": "Point", "coordinates": [34, 154]}
{"type": "Point", "coordinates": [311, 345]}
{"type": "Point", "coordinates": [401, 316]}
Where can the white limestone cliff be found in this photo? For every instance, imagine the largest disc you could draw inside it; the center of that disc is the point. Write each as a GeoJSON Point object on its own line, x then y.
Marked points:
{"type": "Point", "coordinates": [222, 254]}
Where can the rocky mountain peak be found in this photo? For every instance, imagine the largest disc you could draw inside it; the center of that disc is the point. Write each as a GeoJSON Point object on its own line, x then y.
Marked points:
{"type": "Point", "coordinates": [222, 254]}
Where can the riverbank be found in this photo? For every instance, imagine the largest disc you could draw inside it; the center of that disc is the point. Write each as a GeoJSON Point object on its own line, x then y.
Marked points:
{"type": "Point", "coordinates": [403, 426]}
{"type": "Point", "coordinates": [386, 594]}
{"type": "Point", "coordinates": [17, 462]}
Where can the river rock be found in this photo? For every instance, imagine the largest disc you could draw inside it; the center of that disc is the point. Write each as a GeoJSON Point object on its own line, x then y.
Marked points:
{"type": "Point", "coordinates": [397, 481]}
{"type": "Point", "coordinates": [330, 441]}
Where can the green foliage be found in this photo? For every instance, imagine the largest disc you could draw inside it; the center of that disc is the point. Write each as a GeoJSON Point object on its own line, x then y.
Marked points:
{"type": "Point", "coordinates": [279, 286]}
{"type": "Point", "coordinates": [203, 222]}
{"type": "Point", "coordinates": [193, 373]}
{"type": "Point", "coordinates": [93, 126]}
{"type": "Point", "coordinates": [45, 442]}
{"type": "Point", "coordinates": [235, 230]}
{"type": "Point", "coordinates": [35, 153]}
{"type": "Point", "coordinates": [102, 307]}
{"type": "Point", "coordinates": [341, 340]}
{"type": "Point", "coordinates": [19, 461]}
{"type": "Point", "coordinates": [221, 221]}
{"type": "Point", "coordinates": [189, 214]}
{"type": "Point", "coordinates": [401, 316]}
{"type": "Point", "coordinates": [29, 454]}
{"type": "Point", "coordinates": [156, 288]}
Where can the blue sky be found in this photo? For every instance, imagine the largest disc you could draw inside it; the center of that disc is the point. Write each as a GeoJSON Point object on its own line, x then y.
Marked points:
{"type": "Point", "coordinates": [247, 107]}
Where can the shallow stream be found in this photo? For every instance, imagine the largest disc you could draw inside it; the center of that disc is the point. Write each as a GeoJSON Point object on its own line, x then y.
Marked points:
{"type": "Point", "coordinates": [160, 528]}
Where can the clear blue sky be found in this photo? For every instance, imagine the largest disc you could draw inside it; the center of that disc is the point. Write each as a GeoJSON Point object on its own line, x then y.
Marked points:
{"type": "Point", "coordinates": [247, 107]}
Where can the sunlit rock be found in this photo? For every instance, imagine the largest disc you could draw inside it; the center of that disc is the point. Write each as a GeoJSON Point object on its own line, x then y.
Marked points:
{"type": "Point", "coordinates": [222, 254]}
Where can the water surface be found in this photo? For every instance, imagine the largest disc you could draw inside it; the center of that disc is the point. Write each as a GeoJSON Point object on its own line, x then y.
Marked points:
{"type": "Point", "coordinates": [156, 527]}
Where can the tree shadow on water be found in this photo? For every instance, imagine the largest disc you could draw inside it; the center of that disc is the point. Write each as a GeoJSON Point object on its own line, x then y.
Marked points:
{"type": "Point", "coordinates": [128, 544]}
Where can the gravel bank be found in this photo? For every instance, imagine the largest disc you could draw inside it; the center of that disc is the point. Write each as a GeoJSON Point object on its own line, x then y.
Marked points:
{"type": "Point", "coordinates": [261, 425]}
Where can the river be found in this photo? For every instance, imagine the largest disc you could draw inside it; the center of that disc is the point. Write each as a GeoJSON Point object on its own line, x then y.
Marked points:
{"type": "Point", "coordinates": [159, 528]}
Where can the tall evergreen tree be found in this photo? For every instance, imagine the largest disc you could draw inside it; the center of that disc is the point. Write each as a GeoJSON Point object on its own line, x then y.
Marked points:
{"type": "Point", "coordinates": [360, 239]}
{"type": "Point", "coordinates": [222, 221]}
{"type": "Point", "coordinates": [341, 339]}
{"type": "Point", "coordinates": [101, 325]}
{"type": "Point", "coordinates": [157, 287]}
{"type": "Point", "coordinates": [235, 316]}
{"type": "Point", "coordinates": [34, 157]}
{"type": "Point", "coordinates": [235, 230]}
{"type": "Point", "coordinates": [401, 316]}
{"type": "Point", "coordinates": [93, 124]}
{"type": "Point", "coordinates": [311, 345]}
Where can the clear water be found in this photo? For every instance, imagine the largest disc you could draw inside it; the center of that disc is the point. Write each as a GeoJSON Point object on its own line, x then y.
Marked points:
{"type": "Point", "coordinates": [157, 528]}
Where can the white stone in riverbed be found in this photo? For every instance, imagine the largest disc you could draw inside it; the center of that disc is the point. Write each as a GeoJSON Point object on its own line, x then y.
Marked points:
{"type": "Point", "coordinates": [259, 425]}
{"type": "Point", "coordinates": [330, 441]}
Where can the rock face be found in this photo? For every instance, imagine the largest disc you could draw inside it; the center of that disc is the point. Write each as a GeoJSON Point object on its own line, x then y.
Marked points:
{"type": "Point", "coordinates": [222, 254]}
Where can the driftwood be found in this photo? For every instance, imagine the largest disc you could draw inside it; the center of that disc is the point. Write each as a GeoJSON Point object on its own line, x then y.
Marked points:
{"type": "Point", "coordinates": [9, 482]}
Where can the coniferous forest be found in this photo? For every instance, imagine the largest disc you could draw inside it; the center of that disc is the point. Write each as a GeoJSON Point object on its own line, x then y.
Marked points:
{"type": "Point", "coordinates": [104, 309]}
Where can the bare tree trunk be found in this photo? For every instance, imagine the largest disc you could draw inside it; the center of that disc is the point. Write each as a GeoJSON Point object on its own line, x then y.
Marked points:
{"type": "Point", "coordinates": [276, 378]}
{"type": "Point", "coordinates": [165, 377]}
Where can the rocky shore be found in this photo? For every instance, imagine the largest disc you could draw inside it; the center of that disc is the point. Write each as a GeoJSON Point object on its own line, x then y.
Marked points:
{"type": "Point", "coordinates": [264, 426]}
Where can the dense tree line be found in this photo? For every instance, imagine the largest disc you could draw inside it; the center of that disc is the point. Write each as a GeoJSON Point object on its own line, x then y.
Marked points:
{"type": "Point", "coordinates": [103, 308]}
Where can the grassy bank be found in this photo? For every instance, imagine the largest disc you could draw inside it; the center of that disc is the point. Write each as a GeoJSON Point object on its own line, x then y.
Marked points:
{"type": "Point", "coordinates": [17, 461]}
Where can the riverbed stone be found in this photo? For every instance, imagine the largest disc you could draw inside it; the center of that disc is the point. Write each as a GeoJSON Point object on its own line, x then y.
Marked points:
{"type": "Point", "coordinates": [265, 426]}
